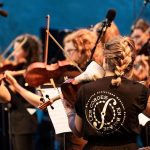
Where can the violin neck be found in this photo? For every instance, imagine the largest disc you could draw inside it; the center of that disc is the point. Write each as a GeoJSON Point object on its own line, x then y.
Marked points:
{"type": "Point", "coordinates": [17, 73]}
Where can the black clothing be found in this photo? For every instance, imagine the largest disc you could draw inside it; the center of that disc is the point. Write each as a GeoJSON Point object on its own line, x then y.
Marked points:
{"type": "Point", "coordinates": [23, 142]}
{"type": "Point", "coordinates": [110, 113]}
{"type": "Point", "coordinates": [145, 50]}
{"type": "Point", "coordinates": [23, 125]}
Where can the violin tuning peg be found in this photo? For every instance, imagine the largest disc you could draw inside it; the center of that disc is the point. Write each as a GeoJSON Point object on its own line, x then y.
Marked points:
{"type": "Point", "coordinates": [47, 96]}
{"type": "Point", "coordinates": [42, 99]}
{"type": "Point", "coordinates": [52, 107]}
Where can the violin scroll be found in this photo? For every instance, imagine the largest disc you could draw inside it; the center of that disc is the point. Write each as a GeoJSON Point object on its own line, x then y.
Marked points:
{"type": "Point", "coordinates": [49, 102]}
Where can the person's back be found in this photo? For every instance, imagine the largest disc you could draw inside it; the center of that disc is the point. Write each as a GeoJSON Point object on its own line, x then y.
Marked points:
{"type": "Point", "coordinates": [110, 113]}
{"type": "Point", "coordinates": [106, 110]}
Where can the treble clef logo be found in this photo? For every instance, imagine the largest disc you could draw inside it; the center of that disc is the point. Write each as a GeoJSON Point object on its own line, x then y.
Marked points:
{"type": "Point", "coordinates": [103, 113]}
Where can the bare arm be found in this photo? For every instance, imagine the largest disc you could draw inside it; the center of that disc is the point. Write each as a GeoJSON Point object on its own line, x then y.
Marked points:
{"type": "Point", "coordinates": [75, 122]}
{"type": "Point", "coordinates": [4, 94]}
{"type": "Point", "coordinates": [32, 98]}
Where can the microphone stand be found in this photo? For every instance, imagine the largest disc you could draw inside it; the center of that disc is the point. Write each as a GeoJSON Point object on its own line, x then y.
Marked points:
{"type": "Point", "coordinates": [140, 14]}
{"type": "Point", "coordinates": [3, 128]}
{"type": "Point", "coordinates": [101, 33]}
{"type": "Point", "coordinates": [7, 108]}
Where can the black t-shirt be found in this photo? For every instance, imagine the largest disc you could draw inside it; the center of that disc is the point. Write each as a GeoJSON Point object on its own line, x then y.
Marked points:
{"type": "Point", "coordinates": [21, 121]}
{"type": "Point", "coordinates": [110, 112]}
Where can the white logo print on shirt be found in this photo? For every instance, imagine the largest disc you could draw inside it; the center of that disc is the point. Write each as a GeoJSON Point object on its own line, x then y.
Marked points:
{"type": "Point", "coordinates": [105, 112]}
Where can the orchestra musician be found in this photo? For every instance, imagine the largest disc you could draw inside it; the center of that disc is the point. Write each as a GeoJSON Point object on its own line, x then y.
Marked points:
{"type": "Point", "coordinates": [141, 37]}
{"type": "Point", "coordinates": [23, 123]}
{"type": "Point", "coordinates": [77, 45]}
{"type": "Point", "coordinates": [141, 71]}
{"type": "Point", "coordinates": [106, 110]}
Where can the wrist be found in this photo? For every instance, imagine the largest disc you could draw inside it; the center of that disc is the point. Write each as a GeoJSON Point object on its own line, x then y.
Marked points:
{"type": "Point", "coordinates": [71, 113]}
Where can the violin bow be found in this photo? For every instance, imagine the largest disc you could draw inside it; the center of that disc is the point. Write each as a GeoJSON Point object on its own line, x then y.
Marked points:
{"type": "Point", "coordinates": [54, 85]}
{"type": "Point", "coordinates": [47, 40]}
{"type": "Point", "coordinates": [16, 50]}
{"type": "Point", "coordinates": [73, 62]}
{"type": "Point", "coordinates": [7, 49]}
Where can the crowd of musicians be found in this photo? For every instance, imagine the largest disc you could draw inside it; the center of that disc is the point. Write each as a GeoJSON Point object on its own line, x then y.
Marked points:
{"type": "Point", "coordinates": [114, 88]}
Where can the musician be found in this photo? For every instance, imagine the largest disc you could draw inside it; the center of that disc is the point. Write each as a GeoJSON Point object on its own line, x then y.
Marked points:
{"type": "Point", "coordinates": [78, 46]}
{"type": "Point", "coordinates": [23, 123]}
{"type": "Point", "coordinates": [106, 111]}
{"type": "Point", "coordinates": [141, 37]}
{"type": "Point", "coordinates": [141, 69]}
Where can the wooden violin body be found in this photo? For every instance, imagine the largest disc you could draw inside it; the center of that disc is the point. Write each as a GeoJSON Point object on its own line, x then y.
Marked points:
{"type": "Point", "coordinates": [9, 65]}
{"type": "Point", "coordinates": [39, 73]}
{"type": "Point", "coordinates": [69, 91]}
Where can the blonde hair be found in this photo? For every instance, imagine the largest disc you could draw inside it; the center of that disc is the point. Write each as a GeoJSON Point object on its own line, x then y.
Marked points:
{"type": "Point", "coordinates": [84, 40]}
{"type": "Point", "coordinates": [119, 54]}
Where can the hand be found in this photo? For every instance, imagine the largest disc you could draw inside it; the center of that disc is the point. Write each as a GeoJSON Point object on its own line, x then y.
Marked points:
{"type": "Point", "coordinates": [10, 78]}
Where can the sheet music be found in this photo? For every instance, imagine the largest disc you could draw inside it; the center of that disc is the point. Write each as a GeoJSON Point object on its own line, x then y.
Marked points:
{"type": "Point", "coordinates": [58, 114]}
{"type": "Point", "coordinates": [143, 119]}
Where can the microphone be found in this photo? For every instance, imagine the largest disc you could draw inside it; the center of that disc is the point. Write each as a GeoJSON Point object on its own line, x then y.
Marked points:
{"type": "Point", "coordinates": [111, 14]}
{"type": "Point", "coordinates": [102, 30]}
{"type": "Point", "coordinates": [3, 13]}
{"type": "Point", "coordinates": [146, 1]}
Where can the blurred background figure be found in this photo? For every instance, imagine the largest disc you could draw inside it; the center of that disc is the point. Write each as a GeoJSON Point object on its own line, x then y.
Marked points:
{"type": "Point", "coordinates": [22, 119]}
{"type": "Point", "coordinates": [141, 37]}
{"type": "Point", "coordinates": [78, 46]}
{"type": "Point", "coordinates": [141, 69]}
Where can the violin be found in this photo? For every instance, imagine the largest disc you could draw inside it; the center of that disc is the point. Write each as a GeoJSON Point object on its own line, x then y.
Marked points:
{"type": "Point", "coordinates": [39, 73]}
{"type": "Point", "coordinates": [10, 65]}
{"type": "Point", "coordinates": [43, 106]}
{"type": "Point", "coordinates": [71, 86]}
{"type": "Point", "coordinates": [13, 73]}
